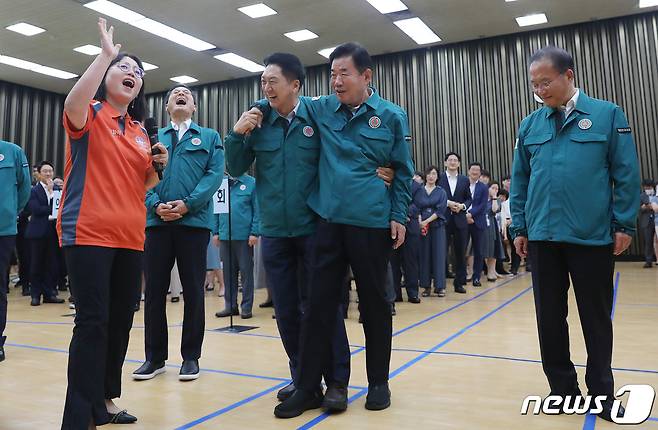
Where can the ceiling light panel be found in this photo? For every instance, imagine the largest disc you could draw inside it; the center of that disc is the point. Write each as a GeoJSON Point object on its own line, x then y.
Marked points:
{"type": "Point", "coordinates": [241, 62]}
{"type": "Point", "coordinates": [25, 29]}
{"type": "Point", "coordinates": [388, 6]}
{"type": "Point", "coordinates": [35, 67]}
{"type": "Point", "coordinates": [301, 35]}
{"type": "Point", "coordinates": [183, 79]}
{"type": "Point", "coordinates": [88, 49]}
{"type": "Point", "coordinates": [149, 25]}
{"type": "Point", "coordinates": [535, 19]}
{"type": "Point", "coordinates": [418, 31]}
{"type": "Point", "coordinates": [258, 10]}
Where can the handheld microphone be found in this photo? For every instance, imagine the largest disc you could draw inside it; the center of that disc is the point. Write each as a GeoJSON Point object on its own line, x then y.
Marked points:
{"type": "Point", "coordinates": [262, 106]}
{"type": "Point", "coordinates": [152, 130]}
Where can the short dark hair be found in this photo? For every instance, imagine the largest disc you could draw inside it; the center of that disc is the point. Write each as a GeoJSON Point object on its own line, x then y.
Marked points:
{"type": "Point", "coordinates": [560, 58]}
{"type": "Point", "coordinates": [359, 54]}
{"type": "Point", "coordinates": [503, 192]}
{"type": "Point", "coordinates": [428, 169]}
{"type": "Point", "coordinates": [475, 163]}
{"type": "Point", "coordinates": [485, 173]}
{"type": "Point", "coordinates": [506, 178]}
{"type": "Point", "coordinates": [492, 183]}
{"type": "Point", "coordinates": [291, 66]}
{"type": "Point", "coordinates": [648, 183]}
{"type": "Point", "coordinates": [180, 86]}
{"type": "Point", "coordinates": [44, 163]}
{"type": "Point", "coordinates": [137, 108]}
{"type": "Point", "coordinates": [452, 153]}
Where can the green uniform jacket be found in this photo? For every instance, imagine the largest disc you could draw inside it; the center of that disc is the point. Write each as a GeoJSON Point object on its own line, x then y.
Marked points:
{"type": "Point", "coordinates": [244, 211]}
{"type": "Point", "coordinates": [193, 174]}
{"type": "Point", "coordinates": [578, 185]}
{"type": "Point", "coordinates": [349, 191]}
{"type": "Point", "coordinates": [286, 171]}
{"type": "Point", "coordinates": [15, 186]}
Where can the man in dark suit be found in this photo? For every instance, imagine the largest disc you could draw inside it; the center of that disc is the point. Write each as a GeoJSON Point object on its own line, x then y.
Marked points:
{"type": "Point", "coordinates": [459, 199]}
{"type": "Point", "coordinates": [476, 219]}
{"type": "Point", "coordinates": [42, 235]}
{"type": "Point", "coordinates": [645, 222]}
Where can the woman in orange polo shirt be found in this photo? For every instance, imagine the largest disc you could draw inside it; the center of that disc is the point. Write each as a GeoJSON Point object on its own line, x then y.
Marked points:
{"type": "Point", "coordinates": [101, 226]}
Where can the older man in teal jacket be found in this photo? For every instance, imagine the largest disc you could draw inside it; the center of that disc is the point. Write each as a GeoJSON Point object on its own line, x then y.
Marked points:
{"type": "Point", "coordinates": [361, 221]}
{"type": "Point", "coordinates": [179, 211]}
{"type": "Point", "coordinates": [15, 191]}
{"type": "Point", "coordinates": [574, 201]}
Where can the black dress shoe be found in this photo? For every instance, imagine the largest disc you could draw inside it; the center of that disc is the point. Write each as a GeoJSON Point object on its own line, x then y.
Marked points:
{"type": "Point", "coordinates": [379, 397]}
{"type": "Point", "coordinates": [53, 299]}
{"type": "Point", "coordinates": [285, 392]}
{"type": "Point", "coordinates": [450, 275]}
{"type": "Point", "coordinates": [335, 398]}
{"type": "Point", "coordinates": [246, 315]}
{"type": "Point", "coordinates": [607, 410]}
{"type": "Point", "coordinates": [35, 301]}
{"type": "Point", "coordinates": [647, 265]}
{"type": "Point", "coordinates": [298, 403]}
{"type": "Point", "coordinates": [441, 292]}
{"type": "Point", "coordinates": [460, 289]}
{"type": "Point", "coordinates": [426, 292]}
{"type": "Point", "coordinates": [477, 283]}
{"type": "Point", "coordinates": [226, 313]}
{"type": "Point", "coordinates": [266, 304]}
{"type": "Point", "coordinates": [414, 300]}
{"type": "Point", "coordinates": [122, 417]}
{"type": "Point", "coordinates": [148, 370]}
{"type": "Point", "coordinates": [189, 371]}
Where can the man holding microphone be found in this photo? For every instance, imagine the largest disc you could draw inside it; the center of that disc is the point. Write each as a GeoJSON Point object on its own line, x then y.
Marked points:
{"type": "Point", "coordinates": [177, 229]}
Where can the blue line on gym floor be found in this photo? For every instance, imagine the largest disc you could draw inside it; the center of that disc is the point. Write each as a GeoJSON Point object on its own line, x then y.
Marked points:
{"type": "Point", "coordinates": [363, 391]}
{"type": "Point", "coordinates": [590, 420]}
{"type": "Point", "coordinates": [415, 360]}
{"type": "Point", "coordinates": [524, 360]}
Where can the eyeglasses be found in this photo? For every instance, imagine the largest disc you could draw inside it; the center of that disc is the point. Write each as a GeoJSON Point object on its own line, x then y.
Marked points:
{"type": "Point", "coordinates": [545, 85]}
{"type": "Point", "coordinates": [125, 68]}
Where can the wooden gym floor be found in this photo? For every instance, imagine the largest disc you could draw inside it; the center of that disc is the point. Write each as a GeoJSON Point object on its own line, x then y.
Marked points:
{"type": "Point", "coordinates": [459, 362]}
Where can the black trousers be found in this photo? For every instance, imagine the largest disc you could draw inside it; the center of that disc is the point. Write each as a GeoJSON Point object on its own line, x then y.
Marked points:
{"type": "Point", "coordinates": [647, 237]}
{"type": "Point", "coordinates": [515, 259]}
{"type": "Point", "coordinates": [106, 283]}
{"type": "Point", "coordinates": [23, 251]}
{"type": "Point", "coordinates": [368, 251]}
{"type": "Point", "coordinates": [6, 248]}
{"type": "Point", "coordinates": [43, 267]}
{"type": "Point", "coordinates": [188, 247]}
{"type": "Point", "coordinates": [406, 260]}
{"type": "Point", "coordinates": [459, 238]}
{"type": "Point", "coordinates": [591, 270]}
{"type": "Point", "coordinates": [287, 261]}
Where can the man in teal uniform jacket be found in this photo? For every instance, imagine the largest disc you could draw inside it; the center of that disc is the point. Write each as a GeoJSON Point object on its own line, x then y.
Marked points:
{"type": "Point", "coordinates": [361, 221]}
{"type": "Point", "coordinates": [574, 201]}
{"type": "Point", "coordinates": [15, 191]}
{"type": "Point", "coordinates": [286, 149]}
{"type": "Point", "coordinates": [236, 244]}
{"type": "Point", "coordinates": [179, 211]}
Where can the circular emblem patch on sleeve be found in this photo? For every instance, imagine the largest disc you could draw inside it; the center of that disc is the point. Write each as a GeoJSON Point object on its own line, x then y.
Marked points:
{"type": "Point", "coordinates": [374, 122]}
{"type": "Point", "coordinates": [2, 157]}
{"type": "Point", "coordinates": [196, 141]}
{"type": "Point", "coordinates": [308, 131]}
